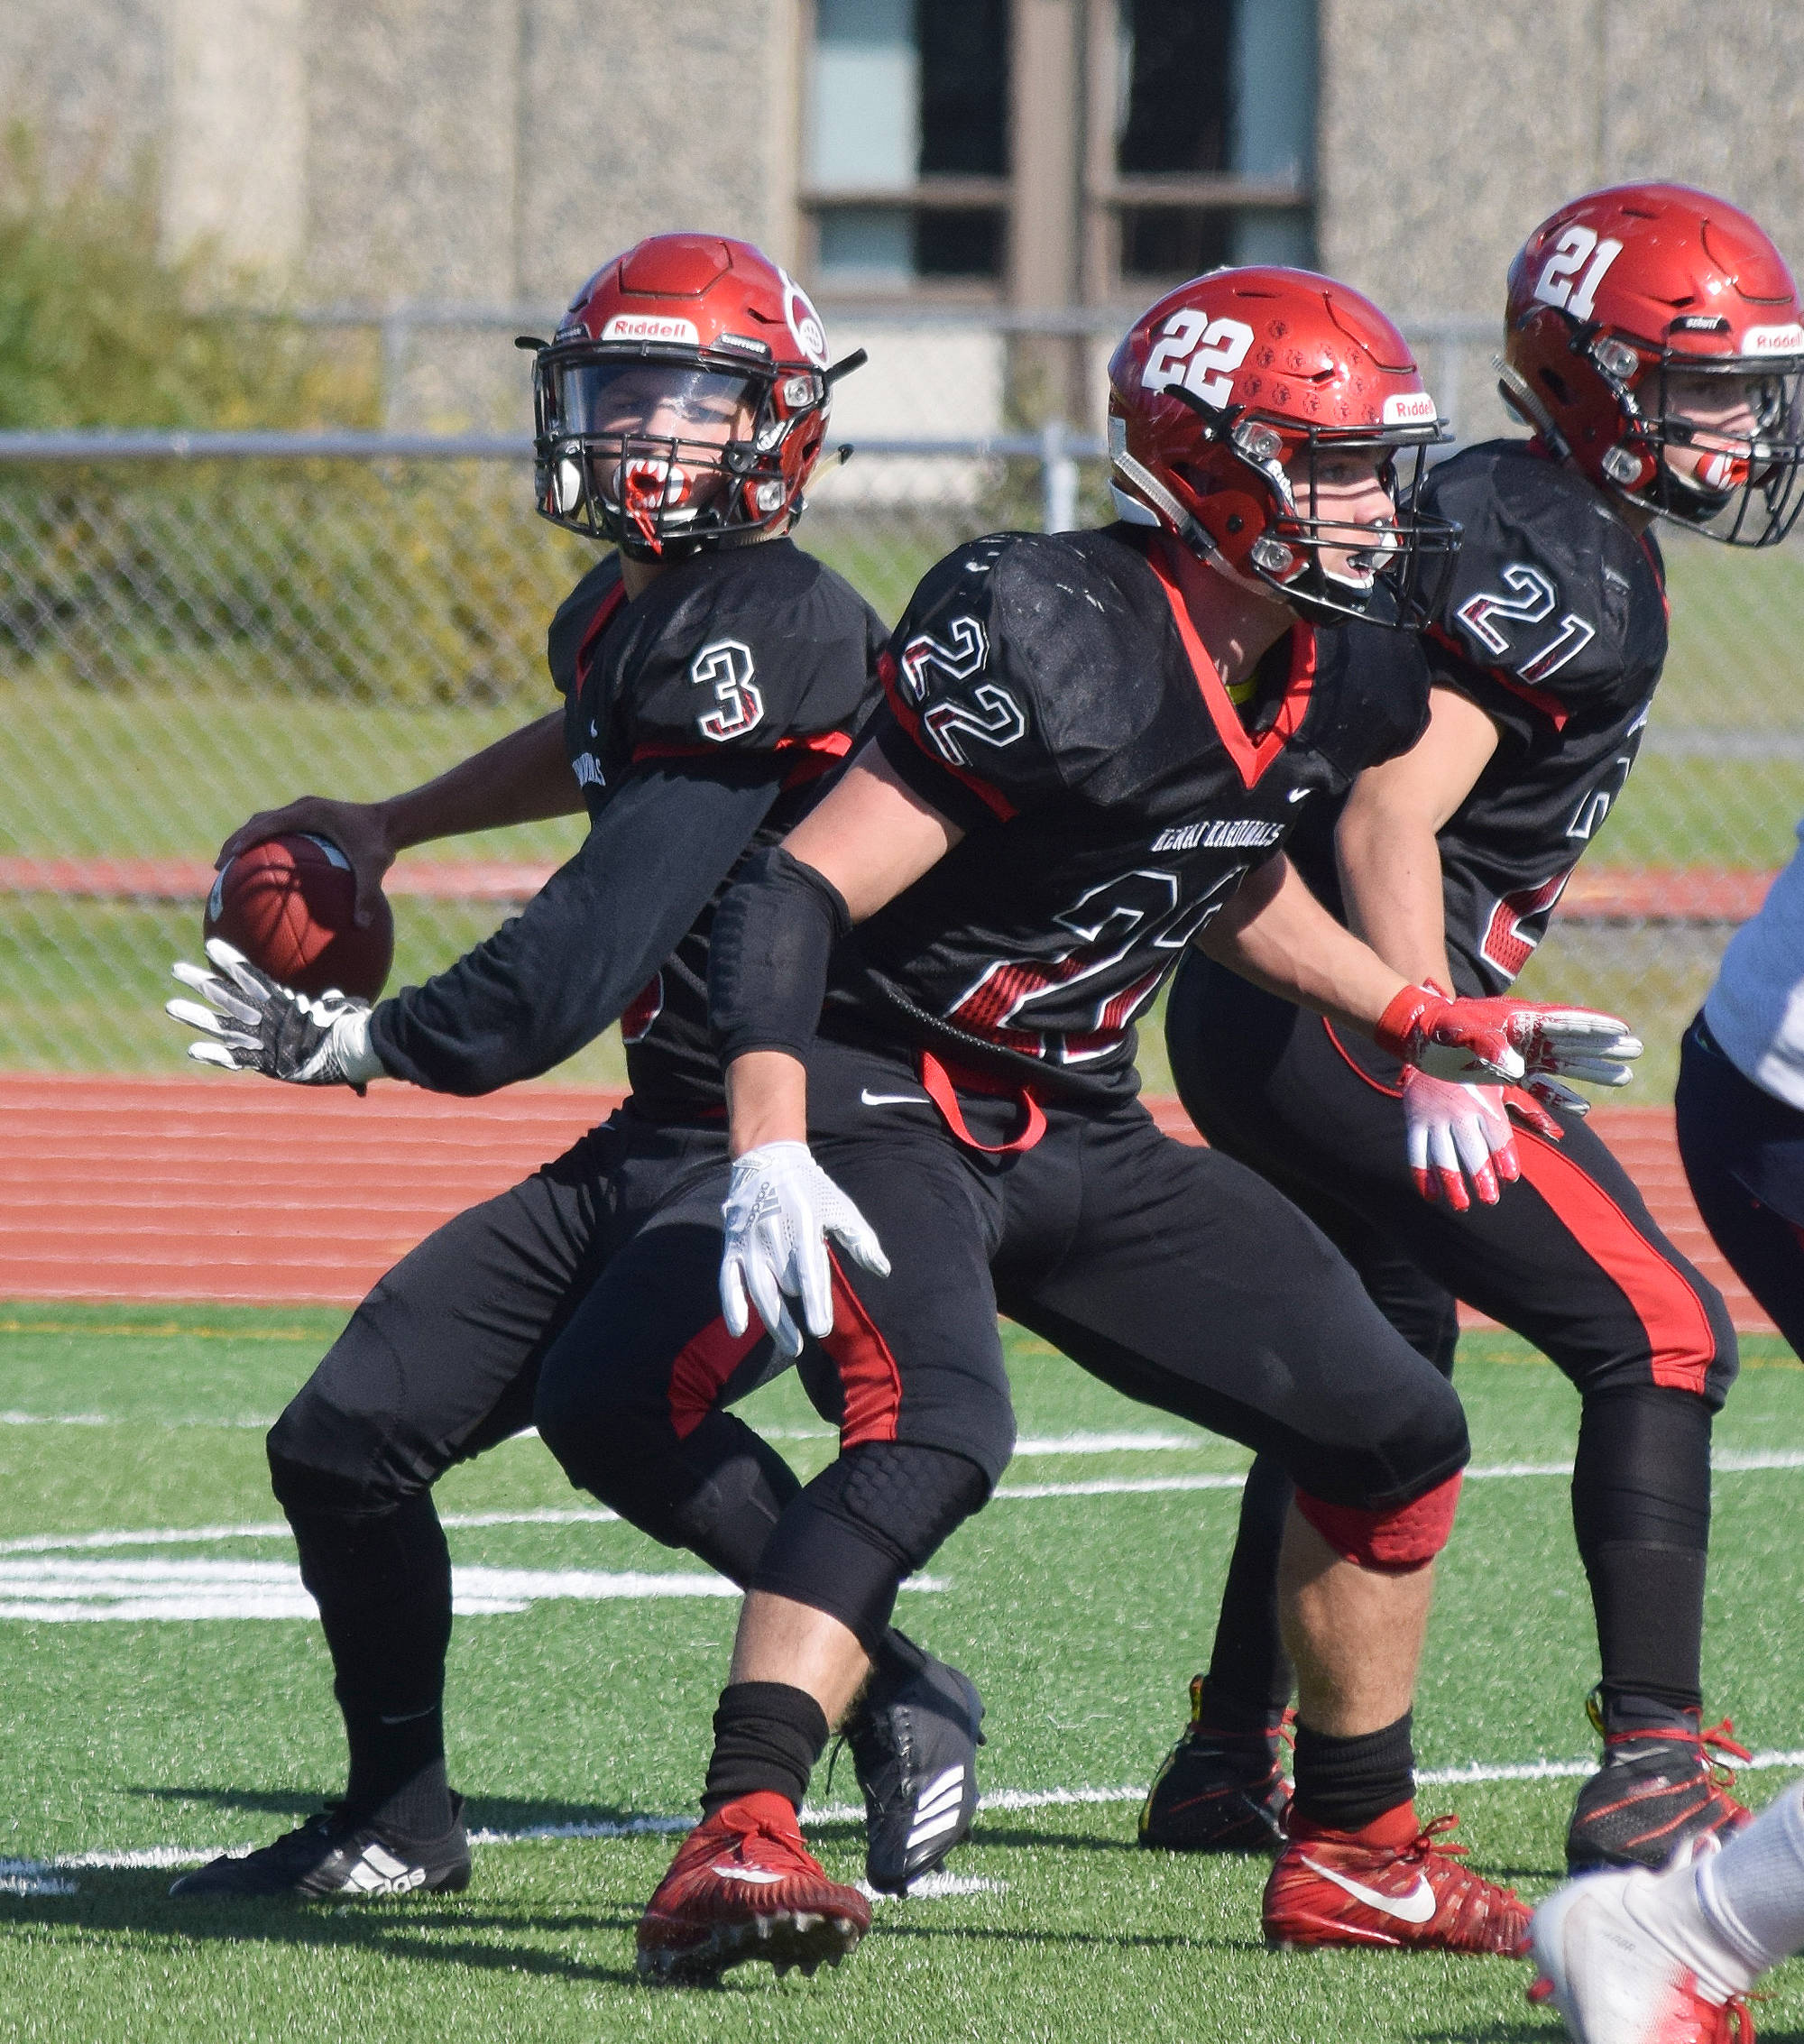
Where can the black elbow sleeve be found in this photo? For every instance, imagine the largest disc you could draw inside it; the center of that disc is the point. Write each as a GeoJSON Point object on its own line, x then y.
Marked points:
{"type": "Point", "coordinates": [767, 957]}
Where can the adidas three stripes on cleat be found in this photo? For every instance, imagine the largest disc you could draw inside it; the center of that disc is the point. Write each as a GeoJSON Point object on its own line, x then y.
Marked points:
{"type": "Point", "coordinates": [335, 1858]}
{"type": "Point", "coordinates": [914, 1739]}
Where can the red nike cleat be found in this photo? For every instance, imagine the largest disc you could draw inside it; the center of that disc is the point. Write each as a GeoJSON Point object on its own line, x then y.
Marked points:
{"type": "Point", "coordinates": [1392, 1883]}
{"type": "Point", "coordinates": [744, 1886]}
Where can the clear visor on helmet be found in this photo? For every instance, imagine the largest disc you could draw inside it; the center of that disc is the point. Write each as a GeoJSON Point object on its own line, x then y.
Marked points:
{"type": "Point", "coordinates": [649, 400]}
{"type": "Point", "coordinates": [647, 451]}
{"type": "Point", "coordinates": [1727, 437]}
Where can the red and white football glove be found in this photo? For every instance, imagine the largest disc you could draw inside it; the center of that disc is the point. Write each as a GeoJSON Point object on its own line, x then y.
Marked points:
{"type": "Point", "coordinates": [1508, 1041]}
{"type": "Point", "coordinates": [1457, 1131]}
{"type": "Point", "coordinates": [1456, 1117]}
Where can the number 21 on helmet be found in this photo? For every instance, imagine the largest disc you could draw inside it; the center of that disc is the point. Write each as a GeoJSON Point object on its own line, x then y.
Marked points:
{"type": "Point", "coordinates": [1653, 337]}
{"type": "Point", "coordinates": [1237, 403]}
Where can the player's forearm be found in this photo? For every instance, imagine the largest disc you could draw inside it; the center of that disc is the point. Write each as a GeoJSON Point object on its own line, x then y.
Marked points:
{"type": "Point", "coordinates": [1391, 883]}
{"type": "Point", "coordinates": [552, 978]}
{"type": "Point", "coordinates": [1276, 934]}
{"type": "Point", "coordinates": [521, 778]}
{"type": "Point", "coordinates": [766, 1101]}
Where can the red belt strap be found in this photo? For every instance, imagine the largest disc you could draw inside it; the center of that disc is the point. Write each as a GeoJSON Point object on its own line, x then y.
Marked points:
{"type": "Point", "coordinates": [938, 1082]}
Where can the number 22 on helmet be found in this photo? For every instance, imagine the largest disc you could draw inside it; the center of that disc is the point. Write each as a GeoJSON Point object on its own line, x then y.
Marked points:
{"type": "Point", "coordinates": [1260, 416]}
{"type": "Point", "coordinates": [1653, 337]}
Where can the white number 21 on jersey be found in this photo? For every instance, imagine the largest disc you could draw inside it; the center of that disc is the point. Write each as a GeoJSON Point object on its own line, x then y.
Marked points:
{"type": "Point", "coordinates": [1556, 286]}
{"type": "Point", "coordinates": [1224, 347]}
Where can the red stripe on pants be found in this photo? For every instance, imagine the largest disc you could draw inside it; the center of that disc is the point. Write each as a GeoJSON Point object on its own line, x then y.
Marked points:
{"type": "Point", "coordinates": [1680, 1340]}
{"type": "Point", "coordinates": [703, 1366]}
{"type": "Point", "coordinates": [869, 1378]}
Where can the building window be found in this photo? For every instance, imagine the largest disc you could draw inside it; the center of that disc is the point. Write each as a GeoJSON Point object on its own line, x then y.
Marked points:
{"type": "Point", "coordinates": [905, 157]}
{"type": "Point", "coordinates": [1214, 132]}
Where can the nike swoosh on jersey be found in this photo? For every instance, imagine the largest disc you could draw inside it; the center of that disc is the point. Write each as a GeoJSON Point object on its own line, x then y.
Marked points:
{"type": "Point", "coordinates": [754, 1873]}
{"type": "Point", "coordinates": [1299, 794]}
{"type": "Point", "coordinates": [1416, 1906]}
{"type": "Point", "coordinates": [893, 1099]}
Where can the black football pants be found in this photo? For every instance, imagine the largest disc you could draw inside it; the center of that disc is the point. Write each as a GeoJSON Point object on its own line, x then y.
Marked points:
{"type": "Point", "coordinates": [1172, 1273]}
{"type": "Point", "coordinates": [1744, 1152]}
{"type": "Point", "coordinates": [443, 1361]}
{"type": "Point", "coordinates": [1570, 1258]}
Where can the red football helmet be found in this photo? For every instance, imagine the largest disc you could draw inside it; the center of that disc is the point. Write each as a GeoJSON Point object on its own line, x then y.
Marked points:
{"type": "Point", "coordinates": [1227, 401]}
{"type": "Point", "coordinates": [1625, 308]}
{"type": "Point", "coordinates": [685, 398]}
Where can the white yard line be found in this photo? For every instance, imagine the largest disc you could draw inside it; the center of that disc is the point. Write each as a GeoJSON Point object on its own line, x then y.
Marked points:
{"type": "Point", "coordinates": [50, 1876]}
{"type": "Point", "coordinates": [1726, 1462]}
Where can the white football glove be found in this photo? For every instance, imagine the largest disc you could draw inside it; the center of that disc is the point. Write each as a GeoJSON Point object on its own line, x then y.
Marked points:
{"type": "Point", "coordinates": [780, 1209]}
{"type": "Point", "coordinates": [252, 1024]}
{"type": "Point", "coordinates": [1457, 1131]}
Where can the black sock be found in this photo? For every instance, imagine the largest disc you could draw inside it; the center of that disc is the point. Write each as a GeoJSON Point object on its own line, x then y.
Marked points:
{"type": "Point", "coordinates": [1249, 1672]}
{"type": "Point", "coordinates": [404, 1793]}
{"type": "Point", "coordinates": [382, 1582]}
{"type": "Point", "coordinates": [1640, 1508]}
{"type": "Point", "coordinates": [767, 1736]}
{"type": "Point", "coordinates": [1344, 1785]}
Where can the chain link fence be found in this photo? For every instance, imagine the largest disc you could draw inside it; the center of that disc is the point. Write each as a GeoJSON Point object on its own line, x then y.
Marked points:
{"type": "Point", "coordinates": [191, 630]}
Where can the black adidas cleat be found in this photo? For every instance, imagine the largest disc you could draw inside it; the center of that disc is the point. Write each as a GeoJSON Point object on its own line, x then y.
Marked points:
{"type": "Point", "coordinates": [1218, 1791]}
{"type": "Point", "coordinates": [332, 1858]}
{"type": "Point", "coordinates": [914, 1737]}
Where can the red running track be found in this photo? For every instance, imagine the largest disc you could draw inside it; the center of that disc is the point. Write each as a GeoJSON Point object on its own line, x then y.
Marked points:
{"type": "Point", "coordinates": [232, 1189]}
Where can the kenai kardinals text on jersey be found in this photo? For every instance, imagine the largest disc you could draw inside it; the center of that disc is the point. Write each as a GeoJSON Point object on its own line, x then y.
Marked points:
{"type": "Point", "coordinates": [1555, 624]}
{"type": "Point", "coordinates": [1050, 696]}
{"type": "Point", "coordinates": [724, 661]}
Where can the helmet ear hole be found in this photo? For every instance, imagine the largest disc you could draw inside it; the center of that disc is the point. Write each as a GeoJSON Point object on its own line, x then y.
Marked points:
{"type": "Point", "coordinates": [1557, 385]}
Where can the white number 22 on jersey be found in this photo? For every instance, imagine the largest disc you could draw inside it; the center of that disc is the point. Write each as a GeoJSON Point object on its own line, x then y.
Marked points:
{"type": "Point", "coordinates": [1556, 286]}
{"type": "Point", "coordinates": [1224, 347]}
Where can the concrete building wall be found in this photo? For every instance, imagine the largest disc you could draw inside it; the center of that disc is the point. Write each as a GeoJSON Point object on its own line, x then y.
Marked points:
{"type": "Point", "coordinates": [390, 152]}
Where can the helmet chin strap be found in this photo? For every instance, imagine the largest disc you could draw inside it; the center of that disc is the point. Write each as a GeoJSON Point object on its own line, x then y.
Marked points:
{"type": "Point", "coordinates": [1514, 390]}
{"type": "Point", "coordinates": [1188, 530]}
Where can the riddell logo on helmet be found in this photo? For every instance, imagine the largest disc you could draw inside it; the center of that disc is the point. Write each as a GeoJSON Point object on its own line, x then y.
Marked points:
{"type": "Point", "coordinates": [1774, 340]}
{"type": "Point", "coordinates": [1408, 408]}
{"type": "Point", "coordinates": [651, 326]}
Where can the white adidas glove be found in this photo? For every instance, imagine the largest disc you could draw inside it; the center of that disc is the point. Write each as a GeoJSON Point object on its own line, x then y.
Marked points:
{"type": "Point", "coordinates": [780, 1209]}
{"type": "Point", "coordinates": [249, 1023]}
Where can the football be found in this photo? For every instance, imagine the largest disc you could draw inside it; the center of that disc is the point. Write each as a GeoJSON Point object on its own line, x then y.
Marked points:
{"type": "Point", "coordinates": [286, 904]}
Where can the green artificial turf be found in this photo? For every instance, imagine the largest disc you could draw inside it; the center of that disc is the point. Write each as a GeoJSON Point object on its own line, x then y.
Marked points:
{"type": "Point", "coordinates": [1080, 1616]}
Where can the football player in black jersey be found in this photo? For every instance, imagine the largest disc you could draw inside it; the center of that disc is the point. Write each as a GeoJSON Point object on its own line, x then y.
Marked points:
{"type": "Point", "coordinates": [1094, 748]}
{"type": "Point", "coordinates": [708, 682]}
{"type": "Point", "coordinates": [1652, 344]}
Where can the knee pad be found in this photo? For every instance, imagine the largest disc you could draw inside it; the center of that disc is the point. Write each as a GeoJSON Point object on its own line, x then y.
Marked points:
{"type": "Point", "coordinates": [1398, 1537]}
{"type": "Point", "coordinates": [866, 1521]}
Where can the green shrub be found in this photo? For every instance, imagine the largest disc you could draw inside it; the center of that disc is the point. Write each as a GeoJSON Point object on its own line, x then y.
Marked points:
{"type": "Point", "coordinates": [97, 328]}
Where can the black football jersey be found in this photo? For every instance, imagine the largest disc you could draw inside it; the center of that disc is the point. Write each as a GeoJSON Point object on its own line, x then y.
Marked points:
{"type": "Point", "coordinates": [1555, 624]}
{"type": "Point", "coordinates": [1050, 695]}
{"type": "Point", "coordinates": [728, 658]}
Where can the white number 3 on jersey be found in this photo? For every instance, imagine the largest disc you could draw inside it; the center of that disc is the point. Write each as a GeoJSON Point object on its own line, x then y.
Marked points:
{"type": "Point", "coordinates": [726, 668]}
{"type": "Point", "coordinates": [1225, 343]}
